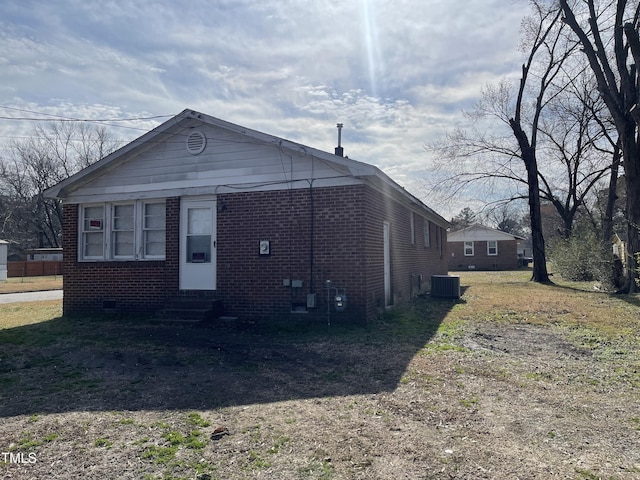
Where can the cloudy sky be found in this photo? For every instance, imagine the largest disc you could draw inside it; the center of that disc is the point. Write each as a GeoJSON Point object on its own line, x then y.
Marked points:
{"type": "Point", "coordinates": [397, 73]}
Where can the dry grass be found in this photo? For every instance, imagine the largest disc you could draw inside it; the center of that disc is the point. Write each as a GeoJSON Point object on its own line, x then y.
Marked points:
{"type": "Point", "coordinates": [31, 284]}
{"type": "Point", "coordinates": [516, 380]}
{"type": "Point", "coordinates": [28, 313]}
{"type": "Point", "coordinates": [510, 297]}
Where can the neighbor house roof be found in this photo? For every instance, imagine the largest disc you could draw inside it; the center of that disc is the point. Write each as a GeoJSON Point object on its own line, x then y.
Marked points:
{"type": "Point", "coordinates": [189, 119]}
{"type": "Point", "coordinates": [478, 233]}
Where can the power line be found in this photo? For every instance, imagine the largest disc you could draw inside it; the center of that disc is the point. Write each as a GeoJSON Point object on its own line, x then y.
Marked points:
{"type": "Point", "coordinates": [99, 121]}
{"type": "Point", "coordinates": [220, 141]}
{"type": "Point", "coordinates": [72, 119]}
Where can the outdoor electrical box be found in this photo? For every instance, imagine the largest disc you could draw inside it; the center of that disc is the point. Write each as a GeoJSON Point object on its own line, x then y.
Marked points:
{"type": "Point", "coordinates": [311, 300]}
{"type": "Point", "coordinates": [340, 302]}
{"type": "Point", "coordinates": [265, 247]}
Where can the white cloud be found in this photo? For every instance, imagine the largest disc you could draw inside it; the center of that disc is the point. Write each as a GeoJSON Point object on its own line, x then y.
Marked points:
{"type": "Point", "coordinates": [397, 74]}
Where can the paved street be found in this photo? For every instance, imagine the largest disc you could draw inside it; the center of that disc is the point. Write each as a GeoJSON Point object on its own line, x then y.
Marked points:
{"type": "Point", "coordinates": [30, 296]}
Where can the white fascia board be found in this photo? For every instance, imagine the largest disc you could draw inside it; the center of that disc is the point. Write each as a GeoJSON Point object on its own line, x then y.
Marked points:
{"type": "Point", "coordinates": [153, 192]}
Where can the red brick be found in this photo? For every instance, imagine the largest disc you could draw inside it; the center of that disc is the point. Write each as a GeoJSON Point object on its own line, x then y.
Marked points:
{"type": "Point", "coordinates": [338, 229]}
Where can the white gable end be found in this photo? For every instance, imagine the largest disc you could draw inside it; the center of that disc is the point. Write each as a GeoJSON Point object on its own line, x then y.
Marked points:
{"type": "Point", "coordinates": [196, 154]}
{"type": "Point", "coordinates": [228, 161]}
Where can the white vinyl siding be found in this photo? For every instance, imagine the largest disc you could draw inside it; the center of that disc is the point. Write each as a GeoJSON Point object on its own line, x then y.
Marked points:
{"type": "Point", "coordinates": [229, 162]}
{"type": "Point", "coordinates": [492, 247]}
{"type": "Point", "coordinates": [468, 249]}
{"type": "Point", "coordinates": [122, 231]}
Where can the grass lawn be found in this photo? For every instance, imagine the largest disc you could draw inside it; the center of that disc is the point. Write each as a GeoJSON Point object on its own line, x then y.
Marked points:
{"type": "Point", "coordinates": [31, 284]}
{"type": "Point", "coordinates": [514, 380]}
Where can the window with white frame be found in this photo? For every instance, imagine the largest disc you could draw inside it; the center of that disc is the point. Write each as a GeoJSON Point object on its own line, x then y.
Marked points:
{"type": "Point", "coordinates": [468, 249]}
{"type": "Point", "coordinates": [154, 227]}
{"type": "Point", "coordinates": [123, 231]}
{"type": "Point", "coordinates": [492, 247]}
{"type": "Point", "coordinates": [427, 233]}
{"type": "Point", "coordinates": [92, 232]}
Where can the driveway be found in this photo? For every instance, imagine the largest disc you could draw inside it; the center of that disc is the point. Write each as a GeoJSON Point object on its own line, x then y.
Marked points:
{"type": "Point", "coordinates": [30, 296]}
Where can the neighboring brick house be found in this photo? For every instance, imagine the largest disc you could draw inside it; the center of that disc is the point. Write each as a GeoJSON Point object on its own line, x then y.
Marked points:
{"type": "Point", "coordinates": [199, 207]}
{"type": "Point", "coordinates": [482, 248]}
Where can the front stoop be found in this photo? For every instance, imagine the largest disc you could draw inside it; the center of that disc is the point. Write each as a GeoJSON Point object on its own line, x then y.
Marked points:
{"type": "Point", "coordinates": [190, 310]}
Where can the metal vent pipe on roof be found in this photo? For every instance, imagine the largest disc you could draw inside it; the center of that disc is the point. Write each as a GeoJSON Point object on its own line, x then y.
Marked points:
{"type": "Point", "coordinates": [339, 149]}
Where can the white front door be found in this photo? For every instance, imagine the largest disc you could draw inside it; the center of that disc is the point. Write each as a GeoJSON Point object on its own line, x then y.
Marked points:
{"type": "Point", "coordinates": [198, 244]}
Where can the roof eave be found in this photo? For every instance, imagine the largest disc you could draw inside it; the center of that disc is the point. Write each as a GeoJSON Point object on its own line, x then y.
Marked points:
{"type": "Point", "coordinates": [61, 189]}
{"type": "Point", "coordinates": [356, 168]}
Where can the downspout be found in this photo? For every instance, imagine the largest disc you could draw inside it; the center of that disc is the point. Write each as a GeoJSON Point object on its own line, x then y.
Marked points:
{"type": "Point", "coordinates": [311, 231]}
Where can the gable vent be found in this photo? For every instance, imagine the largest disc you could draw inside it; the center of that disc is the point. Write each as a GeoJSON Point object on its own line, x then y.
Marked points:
{"type": "Point", "coordinates": [196, 142]}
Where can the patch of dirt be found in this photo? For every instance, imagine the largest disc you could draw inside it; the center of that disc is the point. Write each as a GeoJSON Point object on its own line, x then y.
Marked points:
{"type": "Point", "coordinates": [497, 401]}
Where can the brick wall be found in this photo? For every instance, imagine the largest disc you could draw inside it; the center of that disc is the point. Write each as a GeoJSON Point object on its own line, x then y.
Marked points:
{"type": "Point", "coordinates": [507, 258]}
{"type": "Point", "coordinates": [347, 249]}
{"type": "Point", "coordinates": [329, 248]}
{"type": "Point", "coordinates": [137, 287]}
{"type": "Point", "coordinates": [332, 233]}
{"type": "Point", "coordinates": [410, 260]}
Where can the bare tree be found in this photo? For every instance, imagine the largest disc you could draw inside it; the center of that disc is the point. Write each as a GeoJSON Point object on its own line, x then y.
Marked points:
{"type": "Point", "coordinates": [576, 148]}
{"type": "Point", "coordinates": [547, 40]}
{"type": "Point", "coordinates": [608, 34]}
{"type": "Point", "coordinates": [33, 165]}
{"type": "Point", "coordinates": [513, 158]}
{"type": "Point", "coordinates": [508, 219]}
{"type": "Point", "coordinates": [565, 144]}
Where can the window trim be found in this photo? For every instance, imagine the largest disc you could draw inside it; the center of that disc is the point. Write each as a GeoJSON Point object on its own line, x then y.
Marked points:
{"type": "Point", "coordinates": [108, 232]}
{"type": "Point", "coordinates": [464, 248]}
{"type": "Point", "coordinates": [144, 229]}
{"type": "Point", "coordinates": [489, 242]}
{"type": "Point", "coordinates": [111, 240]}
{"type": "Point", "coordinates": [82, 232]}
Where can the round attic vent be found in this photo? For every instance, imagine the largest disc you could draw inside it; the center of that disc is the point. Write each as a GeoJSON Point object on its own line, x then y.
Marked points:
{"type": "Point", "coordinates": [196, 142]}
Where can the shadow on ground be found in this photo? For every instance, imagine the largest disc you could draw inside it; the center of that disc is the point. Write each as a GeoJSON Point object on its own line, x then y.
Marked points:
{"type": "Point", "coordinates": [70, 364]}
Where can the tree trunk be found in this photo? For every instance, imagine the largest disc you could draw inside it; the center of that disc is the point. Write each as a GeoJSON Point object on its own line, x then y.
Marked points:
{"type": "Point", "coordinates": [540, 273]}
{"type": "Point", "coordinates": [528, 156]}
{"type": "Point", "coordinates": [619, 92]}
{"type": "Point", "coordinates": [632, 176]}
{"type": "Point", "coordinates": [612, 196]}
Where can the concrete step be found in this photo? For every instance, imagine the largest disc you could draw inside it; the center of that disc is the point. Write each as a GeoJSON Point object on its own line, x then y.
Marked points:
{"type": "Point", "coordinates": [190, 310]}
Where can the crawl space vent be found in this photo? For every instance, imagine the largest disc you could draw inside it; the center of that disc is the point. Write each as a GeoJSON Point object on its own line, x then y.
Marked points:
{"type": "Point", "coordinates": [196, 141]}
